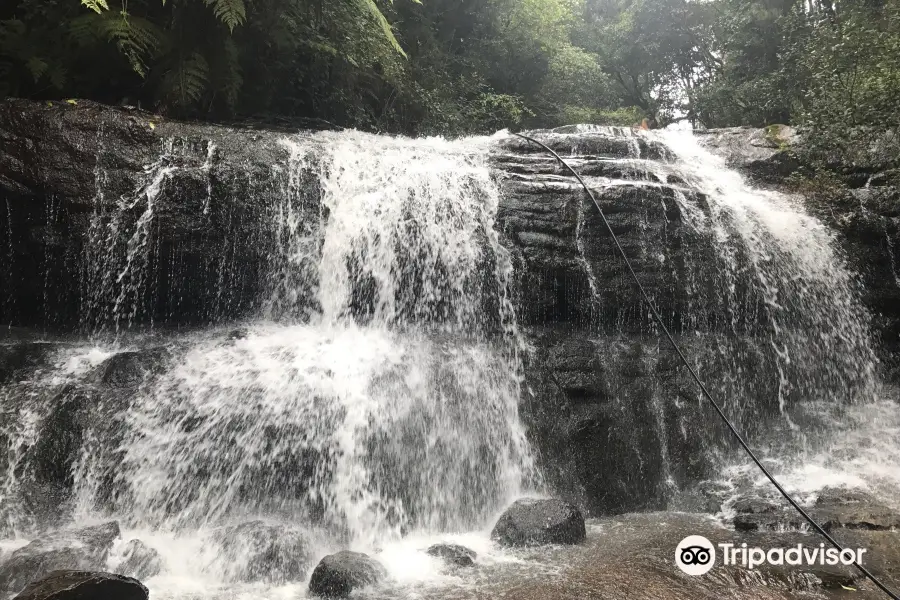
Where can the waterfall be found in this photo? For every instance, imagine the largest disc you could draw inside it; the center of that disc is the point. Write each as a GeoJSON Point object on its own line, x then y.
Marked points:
{"type": "Point", "coordinates": [358, 376]}
{"type": "Point", "coordinates": [407, 364]}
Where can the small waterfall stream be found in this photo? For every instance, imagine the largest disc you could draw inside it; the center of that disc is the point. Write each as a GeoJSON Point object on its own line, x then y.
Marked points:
{"type": "Point", "coordinates": [372, 397]}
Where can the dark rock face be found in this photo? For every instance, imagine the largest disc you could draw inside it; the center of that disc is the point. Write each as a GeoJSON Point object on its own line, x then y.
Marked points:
{"type": "Point", "coordinates": [140, 561]}
{"type": "Point", "coordinates": [531, 522]}
{"type": "Point", "coordinates": [339, 574]}
{"type": "Point", "coordinates": [79, 549]}
{"type": "Point", "coordinates": [273, 553]}
{"type": "Point", "coordinates": [82, 585]}
{"type": "Point", "coordinates": [453, 554]}
{"type": "Point", "coordinates": [67, 411]}
{"type": "Point", "coordinates": [612, 412]}
{"type": "Point", "coordinates": [868, 224]}
{"type": "Point", "coordinates": [617, 415]}
{"type": "Point", "coordinates": [71, 174]}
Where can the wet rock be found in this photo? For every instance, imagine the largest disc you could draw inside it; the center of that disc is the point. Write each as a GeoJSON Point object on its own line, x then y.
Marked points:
{"type": "Point", "coordinates": [835, 508]}
{"type": "Point", "coordinates": [237, 334]}
{"type": "Point", "coordinates": [139, 561]}
{"type": "Point", "coordinates": [78, 549]}
{"type": "Point", "coordinates": [19, 359]}
{"type": "Point", "coordinates": [853, 509]}
{"type": "Point", "coordinates": [267, 552]}
{"type": "Point", "coordinates": [706, 497]}
{"type": "Point", "coordinates": [453, 554]}
{"type": "Point", "coordinates": [617, 143]}
{"type": "Point", "coordinates": [60, 438]}
{"type": "Point", "coordinates": [84, 585]}
{"type": "Point", "coordinates": [756, 513]}
{"type": "Point", "coordinates": [533, 522]}
{"type": "Point", "coordinates": [339, 574]}
{"type": "Point", "coordinates": [50, 157]}
{"type": "Point", "coordinates": [761, 153]}
{"type": "Point", "coordinates": [128, 369]}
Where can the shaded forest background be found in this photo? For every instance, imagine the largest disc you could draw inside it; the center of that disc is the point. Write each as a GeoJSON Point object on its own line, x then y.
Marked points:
{"type": "Point", "coordinates": [454, 67]}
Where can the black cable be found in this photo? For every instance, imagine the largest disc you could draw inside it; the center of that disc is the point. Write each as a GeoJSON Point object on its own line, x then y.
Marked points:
{"type": "Point", "coordinates": [696, 377]}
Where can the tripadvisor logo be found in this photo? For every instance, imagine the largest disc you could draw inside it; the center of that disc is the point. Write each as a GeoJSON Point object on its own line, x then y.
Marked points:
{"type": "Point", "coordinates": [696, 555]}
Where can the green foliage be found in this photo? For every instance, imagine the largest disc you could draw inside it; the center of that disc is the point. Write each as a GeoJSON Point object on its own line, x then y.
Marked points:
{"type": "Point", "coordinates": [98, 6]}
{"type": "Point", "coordinates": [230, 12]}
{"type": "Point", "coordinates": [472, 66]}
{"type": "Point", "coordinates": [853, 66]}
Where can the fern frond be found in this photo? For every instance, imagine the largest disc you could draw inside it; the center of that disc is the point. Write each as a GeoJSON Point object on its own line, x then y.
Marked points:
{"type": "Point", "coordinates": [98, 6]}
{"type": "Point", "coordinates": [231, 12]}
{"type": "Point", "coordinates": [227, 67]}
{"type": "Point", "coordinates": [137, 39]}
{"type": "Point", "coordinates": [57, 76]}
{"type": "Point", "coordinates": [86, 31]}
{"type": "Point", "coordinates": [37, 67]}
{"type": "Point", "coordinates": [186, 83]}
{"type": "Point", "coordinates": [372, 9]}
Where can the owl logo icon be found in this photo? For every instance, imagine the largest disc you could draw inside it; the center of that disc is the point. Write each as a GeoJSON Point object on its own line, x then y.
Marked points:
{"type": "Point", "coordinates": [695, 555]}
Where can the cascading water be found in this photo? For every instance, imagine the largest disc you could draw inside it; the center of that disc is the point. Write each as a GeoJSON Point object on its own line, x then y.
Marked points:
{"type": "Point", "coordinates": [379, 403]}
{"type": "Point", "coordinates": [371, 398]}
{"type": "Point", "coordinates": [828, 391]}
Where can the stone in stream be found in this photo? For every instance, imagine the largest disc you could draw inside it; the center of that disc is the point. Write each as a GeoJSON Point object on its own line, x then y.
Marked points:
{"type": "Point", "coordinates": [128, 369]}
{"type": "Point", "coordinates": [835, 508]}
{"type": "Point", "coordinates": [533, 522]}
{"type": "Point", "coordinates": [140, 561]}
{"type": "Point", "coordinates": [339, 574]}
{"type": "Point", "coordinates": [266, 552]}
{"type": "Point", "coordinates": [79, 549]}
{"type": "Point", "coordinates": [84, 585]}
{"type": "Point", "coordinates": [755, 513]}
{"type": "Point", "coordinates": [853, 509]}
{"type": "Point", "coordinates": [453, 554]}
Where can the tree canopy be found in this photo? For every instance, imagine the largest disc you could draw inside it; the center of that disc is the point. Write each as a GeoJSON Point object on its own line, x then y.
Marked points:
{"type": "Point", "coordinates": [463, 66]}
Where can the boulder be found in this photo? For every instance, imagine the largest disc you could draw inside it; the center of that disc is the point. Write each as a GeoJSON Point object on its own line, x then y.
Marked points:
{"type": "Point", "coordinates": [339, 574]}
{"type": "Point", "coordinates": [139, 561]}
{"type": "Point", "coordinates": [853, 509]}
{"type": "Point", "coordinates": [453, 554]}
{"type": "Point", "coordinates": [128, 369]}
{"type": "Point", "coordinates": [84, 585]}
{"type": "Point", "coordinates": [266, 552]}
{"type": "Point", "coordinates": [79, 549]}
{"type": "Point", "coordinates": [761, 153]}
{"type": "Point", "coordinates": [756, 513]}
{"type": "Point", "coordinates": [834, 508]}
{"type": "Point", "coordinates": [19, 358]}
{"type": "Point", "coordinates": [705, 497]}
{"type": "Point", "coordinates": [60, 438]}
{"type": "Point", "coordinates": [533, 522]}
